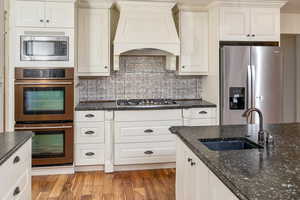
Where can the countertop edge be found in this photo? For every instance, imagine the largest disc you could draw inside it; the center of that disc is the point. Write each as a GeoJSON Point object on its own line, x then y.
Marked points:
{"type": "Point", "coordinates": [15, 148]}
{"type": "Point", "coordinates": [212, 168]}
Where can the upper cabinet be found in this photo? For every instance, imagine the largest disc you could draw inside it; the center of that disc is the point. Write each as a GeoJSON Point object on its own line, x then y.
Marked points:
{"type": "Point", "coordinates": [193, 32]}
{"type": "Point", "coordinates": [93, 42]}
{"type": "Point", "coordinates": [249, 24]}
{"type": "Point", "coordinates": [45, 14]}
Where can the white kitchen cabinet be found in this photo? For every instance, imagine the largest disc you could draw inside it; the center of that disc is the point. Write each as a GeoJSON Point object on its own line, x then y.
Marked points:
{"type": "Point", "coordinates": [193, 31]}
{"type": "Point", "coordinates": [235, 24]}
{"type": "Point", "coordinates": [199, 117]}
{"type": "Point", "coordinates": [265, 24]}
{"type": "Point", "coordinates": [142, 137]}
{"type": "Point", "coordinates": [16, 173]}
{"type": "Point", "coordinates": [44, 14]}
{"type": "Point", "coordinates": [30, 13]}
{"type": "Point", "coordinates": [249, 24]}
{"type": "Point", "coordinates": [93, 42]}
{"type": "Point", "coordinates": [89, 138]}
{"type": "Point", "coordinates": [59, 15]}
{"type": "Point", "coordinates": [194, 181]}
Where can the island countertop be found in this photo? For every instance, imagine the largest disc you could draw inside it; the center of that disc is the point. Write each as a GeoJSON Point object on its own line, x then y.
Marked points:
{"type": "Point", "coordinates": [10, 142]}
{"type": "Point", "coordinates": [272, 173]}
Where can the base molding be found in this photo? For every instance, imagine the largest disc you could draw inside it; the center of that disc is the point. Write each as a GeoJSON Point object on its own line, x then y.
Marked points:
{"type": "Point", "coordinates": [89, 168]}
{"type": "Point", "coordinates": [53, 170]}
{"type": "Point", "coordinates": [144, 166]}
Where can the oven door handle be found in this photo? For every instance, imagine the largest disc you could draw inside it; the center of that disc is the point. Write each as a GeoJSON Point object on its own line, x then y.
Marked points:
{"type": "Point", "coordinates": [45, 127]}
{"type": "Point", "coordinates": [44, 83]}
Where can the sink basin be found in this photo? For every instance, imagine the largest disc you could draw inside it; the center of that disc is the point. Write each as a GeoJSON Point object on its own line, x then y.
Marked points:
{"type": "Point", "coordinates": [225, 144]}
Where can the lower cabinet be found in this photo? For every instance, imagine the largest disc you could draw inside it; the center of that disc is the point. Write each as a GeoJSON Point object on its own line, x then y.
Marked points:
{"type": "Point", "coordinates": [194, 181]}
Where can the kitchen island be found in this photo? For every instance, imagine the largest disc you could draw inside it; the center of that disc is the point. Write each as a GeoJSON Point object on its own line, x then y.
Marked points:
{"type": "Point", "coordinates": [15, 165]}
{"type": "Point", "coordinates": [270, 173]}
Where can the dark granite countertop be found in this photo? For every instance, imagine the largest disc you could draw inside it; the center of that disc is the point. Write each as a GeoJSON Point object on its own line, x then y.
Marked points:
{"type": "Point", "coordinates": [111, 105]}
{"type": "Point", "coordinates": [10, 142]}
{"type": "Point", "coordinates": [272, 173]}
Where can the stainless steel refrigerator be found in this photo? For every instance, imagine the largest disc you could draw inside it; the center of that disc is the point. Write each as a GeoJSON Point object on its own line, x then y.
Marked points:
{"type": "Point", "coordinates": [251, 76]}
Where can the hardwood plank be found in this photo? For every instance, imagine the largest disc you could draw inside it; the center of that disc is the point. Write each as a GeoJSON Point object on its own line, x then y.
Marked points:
{"type": "Point", "coordinates": [129, 185]}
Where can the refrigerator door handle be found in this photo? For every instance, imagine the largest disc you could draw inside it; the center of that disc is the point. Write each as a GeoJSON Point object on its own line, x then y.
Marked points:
{"type": "Point", "coordinates": [249, 86]}
{"type": "Point", "coordinates": [253, 92]}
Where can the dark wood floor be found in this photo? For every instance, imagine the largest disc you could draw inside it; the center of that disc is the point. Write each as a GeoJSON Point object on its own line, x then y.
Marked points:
{"type": "Point", "coordinates": [129, 185]}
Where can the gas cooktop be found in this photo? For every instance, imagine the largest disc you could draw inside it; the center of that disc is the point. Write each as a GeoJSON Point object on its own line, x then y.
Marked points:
{"type": "Point", "coordinates": [146, 102]}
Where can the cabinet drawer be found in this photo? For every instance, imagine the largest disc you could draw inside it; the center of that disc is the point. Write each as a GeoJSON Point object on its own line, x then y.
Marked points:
{"type": "Point", "coordinates": [89, 132]}
{"type": "Point", "coordinates": [148, 115]}
{"type": "Point", "coordinates": [200, 122]}
{"type": "Point", "coordinates": [20, 189]}
{"type": "Point", "coordinates": [141, 153]}
{"type": "Point", "coordinates": [89, 116]}
{"type": "Point", "coordinates": [199, 113]}
{"type": "Point", "coordinates": [13, 168]}
{"type": "Point", "coordinates": [89, 154]}
{"type": "Point", "coordinates": [144, 131]}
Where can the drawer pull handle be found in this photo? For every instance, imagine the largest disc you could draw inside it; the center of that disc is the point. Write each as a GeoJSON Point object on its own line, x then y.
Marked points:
{"type": "Point", "coordinates": [148, 152]}
{"type": "Point", "coordinates": [89, 154]}
{"type": "Point", "coordinates": [148, 131]}
{"type": "Point", "coordinates": [89, 132]}
{"type": "Point", "coordinates": [89, 115]}
{"type": "Point", "coordinates": [202, 112]}
{"type": "Point", "coordinates": [16, 160]}
{"type": "Point", "coordinates": [16, 191]}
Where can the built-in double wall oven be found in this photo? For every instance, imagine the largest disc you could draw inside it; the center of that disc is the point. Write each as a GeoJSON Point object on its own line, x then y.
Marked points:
{"type": "Point", "coordinates": [44, 105]}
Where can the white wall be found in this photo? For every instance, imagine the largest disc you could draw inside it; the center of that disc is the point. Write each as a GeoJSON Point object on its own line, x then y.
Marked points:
{"type": "Point", "coordinates": [1, 65]}
{"type": "Point", "coordinates": [290, 23]}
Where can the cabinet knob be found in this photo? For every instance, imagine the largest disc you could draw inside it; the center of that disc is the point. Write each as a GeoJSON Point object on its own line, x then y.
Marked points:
{"type": "Point", "coordinates": [248, 35]}
{"type": "Point", "coordinates": [41, 20]}
{"type": "Point", "coordinates": [148, 152]}
{"type": "Point", "coordinates": [148, 131]}
{"type": "Point", "coordinates": [89, 115]}
{"type": "Point", "coordinates": [16, 191]}
{"type": "Point", "coordinates": [183, 67]}
{"type": "Point", "coordinates": [47, 20]}
{"type": "Point", "coordinates": [89, 132]}
{"type": "Point", "coordinates": [16, 160]}
{"type": "Point", "coordinates": [89, 154]}
{"type": "Point", "coordinates": [189, 159]}
{"type": "Point", "coordinates": [193, 163]}
{"type": "Point", "coordinates": [253, 35]}
{"type": "Point", "coordinates": [105, 67]}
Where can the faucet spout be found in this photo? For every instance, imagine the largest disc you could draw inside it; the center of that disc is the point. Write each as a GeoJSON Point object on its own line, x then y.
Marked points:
{"type": "Point", "coordinates": [261, 122]}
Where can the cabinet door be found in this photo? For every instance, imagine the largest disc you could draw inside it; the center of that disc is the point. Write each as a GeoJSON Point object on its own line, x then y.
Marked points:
{"type": "Point", "coordinates": [218, 190]}
{"type": "Point", "coordinates": [200, 183]}
{"type": "Point", "coordinates": [60, 15]}
{"type": "Point", "coordinates": [194, 43]}
{"type": "Point", "coordinates": [235, 24]}
{"type": "Point", "coordinates": [93, 42]}
{"type": "Point", "coordinates": [189, 177]}
{"type": "Point", "coordinates": [30, 13]}
{"type": "Point", "coordinates": [265, 24]}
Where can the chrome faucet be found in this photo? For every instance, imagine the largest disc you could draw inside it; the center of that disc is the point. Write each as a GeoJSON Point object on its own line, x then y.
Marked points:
{"type": "Point", "coordinates": [261, 132]}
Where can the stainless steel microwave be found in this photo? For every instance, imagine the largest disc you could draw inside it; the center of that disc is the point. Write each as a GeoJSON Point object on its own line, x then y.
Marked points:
{"type": "Point", "coordinates": [44, 48]}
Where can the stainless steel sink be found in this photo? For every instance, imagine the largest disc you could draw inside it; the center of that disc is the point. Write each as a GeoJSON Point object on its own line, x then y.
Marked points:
{"type": "Point", "coordinates": [225, 144]}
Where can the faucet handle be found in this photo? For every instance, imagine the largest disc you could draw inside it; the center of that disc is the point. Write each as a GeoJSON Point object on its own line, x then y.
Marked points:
{"type": "Point", "coordinates": [269, 139]}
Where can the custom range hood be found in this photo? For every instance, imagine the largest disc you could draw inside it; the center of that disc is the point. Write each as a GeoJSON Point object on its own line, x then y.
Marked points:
{"type": "Point", "coordinates": [146, 28]}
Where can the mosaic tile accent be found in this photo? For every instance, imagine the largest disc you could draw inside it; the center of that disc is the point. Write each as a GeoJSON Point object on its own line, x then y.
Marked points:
{"type": "Point", "coordinates": [140, 77]}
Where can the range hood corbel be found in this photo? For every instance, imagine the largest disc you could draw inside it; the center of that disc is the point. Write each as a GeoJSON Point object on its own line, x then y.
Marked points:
{"type": "Point", "coordinates": [146, 28]}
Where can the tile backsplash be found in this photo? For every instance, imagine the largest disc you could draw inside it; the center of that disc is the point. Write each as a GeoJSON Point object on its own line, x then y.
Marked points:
{"type": "Point", "coordinates": [140, 77]}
